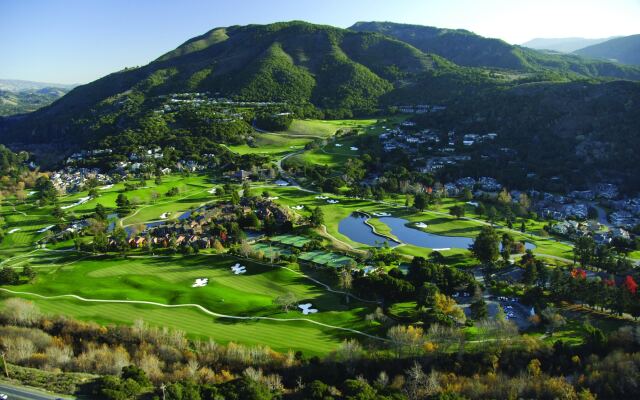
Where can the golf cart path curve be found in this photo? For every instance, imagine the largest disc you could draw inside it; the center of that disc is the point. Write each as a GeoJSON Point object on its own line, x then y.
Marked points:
{"type": "Point", "coordinates": [191, 305]}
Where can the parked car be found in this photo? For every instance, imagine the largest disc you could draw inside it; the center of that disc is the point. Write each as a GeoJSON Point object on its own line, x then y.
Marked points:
{"type": "Point", "coordinates": [3, 396]}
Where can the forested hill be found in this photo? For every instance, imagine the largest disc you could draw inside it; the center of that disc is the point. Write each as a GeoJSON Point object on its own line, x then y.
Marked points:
{"type": "Point", "coordinates": [337, 70]}
{"type": "Point", "coordinates": [468, 49]}
{"type": "Point", "coordinates": [625, 50]}
{"type": "Point", "coordinates": [323, 71]}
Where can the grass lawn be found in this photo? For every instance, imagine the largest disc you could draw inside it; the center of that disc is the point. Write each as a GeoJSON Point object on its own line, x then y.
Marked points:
{"type": "Point", "coordinates": [168, 281]}
{"type": "Point", "coordinates": [325, 128]}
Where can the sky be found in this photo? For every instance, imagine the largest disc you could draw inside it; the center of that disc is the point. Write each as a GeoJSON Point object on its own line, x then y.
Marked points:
{"type": "Point", "coordinates": [78, 41]}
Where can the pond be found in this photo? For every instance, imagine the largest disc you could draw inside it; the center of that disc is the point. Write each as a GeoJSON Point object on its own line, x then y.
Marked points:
{"type": "Point", "coordinates": [355, 228]}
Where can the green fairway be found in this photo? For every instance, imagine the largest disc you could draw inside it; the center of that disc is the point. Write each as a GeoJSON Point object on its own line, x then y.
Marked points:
{"type": "Point", "coordinates": [167, 281]}
{"type": "Point", "coordinates": [325, 128]}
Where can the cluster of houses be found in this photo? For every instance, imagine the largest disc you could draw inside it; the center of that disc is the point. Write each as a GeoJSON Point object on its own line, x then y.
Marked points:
{"type": "Point", "coordinates": [470, 139]}
{"type": "Point", "coordinates": [410, 141]}
{"type": "Point", "coordinates": [420, 108]}
{"type": "Point", "coordinates": [482, 186]}
{"type": "Point", "coordinates": [204, 226]}
{"type": "Point", "coordinates": [575, 229]}
{"type": "Point", "coordinates": [84, 154]}
{"type": "Point", "coordinates": [71, 180]}
{"type": "Point", "coordinates": [175, 101]}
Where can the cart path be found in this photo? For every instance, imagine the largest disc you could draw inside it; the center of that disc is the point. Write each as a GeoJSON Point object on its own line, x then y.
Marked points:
{"type": "Point", "coordinates": [191, 305]}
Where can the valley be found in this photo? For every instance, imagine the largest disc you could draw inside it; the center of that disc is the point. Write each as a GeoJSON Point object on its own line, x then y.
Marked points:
{"type": "Point", "coordinates": [302, 211]}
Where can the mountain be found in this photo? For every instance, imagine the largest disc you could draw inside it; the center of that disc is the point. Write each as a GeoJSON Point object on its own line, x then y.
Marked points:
{"type": "Point", "coordinates": [540, 106]}
{"type": "Point", "coordinates": [27, 100]}
{"type": "Point", "coordinates": [624, 50]}
{"type": "Point", "coordinates": [340, 71]}
{"type": "Point", "coordinates": [562, 45]}
{"type": "Point", "coordinates": [468, 49]}
{"type": "Point", "coordinates": [16, 85]}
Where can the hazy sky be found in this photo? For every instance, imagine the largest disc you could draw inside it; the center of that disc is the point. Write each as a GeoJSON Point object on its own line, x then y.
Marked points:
{"type": "Point", "coordinates": [77, 41]}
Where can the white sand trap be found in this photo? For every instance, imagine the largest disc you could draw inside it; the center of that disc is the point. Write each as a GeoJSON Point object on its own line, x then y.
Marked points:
{"type": "Point", "coordinates": [14, 230]}
{"type": "Point", "coordinates": [46, 228]}
{"type": "Point", "coordinates": [381, 214]}
{"type": "Point", "coordinates": [164, 215]}
{"type": "Point", "coordinates": [473, 203]}
{"type": "Point", "coordinates": [300, 207]}
{"type": "Point", "coordinates": [442, 249]}
{"type": "Point", "coordinates": [200, 282]}
{"type": "Point", "coordinates": [31, 193]}
{"type": "Point", "coordinates": [331, 201]}
{"type": "Point", "coordinates": [238, 269]}
{"type": "Point", "coordinates": [353, 148]}
{"type": "Point", "coordinates": [280, 182]}
{"type": "Point", "coordinates": [321, 197]}
{"type": "Point", "coordinates": [106, 187]}
{"type": "Point", "coordinates": [306, 309]}
{"type": "Point", "coordinates": [338, 145]}
{"type": "Point", "coordinates": [273, 198]}
{"type": "Point", "coordinates": [212, 191]}
{"type": "Point", "coordinates": [421, 225]}
{"type": "Point", "coordinates": [77, 203]}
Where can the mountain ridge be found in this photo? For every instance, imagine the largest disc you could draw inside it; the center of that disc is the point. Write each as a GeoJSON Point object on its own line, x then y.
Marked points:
{"type": "Point", "coordinates": [625, 50]}
{"type": "Point", "coordinates": [468, 49]}
{"type": "Point", "coordinates": [563, 45]}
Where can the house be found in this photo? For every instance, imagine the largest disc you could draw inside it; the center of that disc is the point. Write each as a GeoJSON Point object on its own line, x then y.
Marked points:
{"type": "Point", "coordinates": [620, 233]}
{"type": "Point", "coordinates": [470, 138]}
{"type": "Point", "coordinates": [137, 242]}
{"type": "Point", "coordinates": [241, 175]}
{"type": "Point", "coordinates": [602, 238]}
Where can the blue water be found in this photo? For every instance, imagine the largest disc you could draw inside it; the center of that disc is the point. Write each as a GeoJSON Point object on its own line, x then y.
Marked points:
{"type": "Point", "coordinates": [355, 229]}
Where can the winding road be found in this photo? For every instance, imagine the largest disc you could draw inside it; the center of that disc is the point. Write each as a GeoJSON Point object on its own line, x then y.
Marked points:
{"type": "Point", "coordinates": [25, 393]}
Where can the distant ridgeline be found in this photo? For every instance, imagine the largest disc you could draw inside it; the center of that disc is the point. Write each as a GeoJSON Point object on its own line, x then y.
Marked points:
{"type": "Point", "coordinates": [555, 104]}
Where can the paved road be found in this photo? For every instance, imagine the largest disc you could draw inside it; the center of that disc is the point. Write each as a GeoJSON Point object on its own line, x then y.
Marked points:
{"type": "Point", "coordinates": [24, 393]}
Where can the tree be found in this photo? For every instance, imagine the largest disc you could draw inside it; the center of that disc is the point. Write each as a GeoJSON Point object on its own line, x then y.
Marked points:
{"type": "Point", "coordinates": [553, 319]}
{"type": "Point", "coordinates": [28, 272]}
{"type": "Point", "coordinates": [286, 301]}
{"type": "Point", "coordinates": [426, 296]}
{"type": "Point", "coordinates": [448, 306]}
{"type": "Point", "coordinates": [8, 276]}
{"type": "Point", "coordinates": [524, 201]}
{"type": "Point", "coordinates": [457, 211]}
{"type": "Point", "coordinates": [467, 195]}
{"type": "Point", "coordinates": [420, 201]}
{"type": "Point", "coordinates": [235, 198]}
{"type": "Point", "coordinates": [486, 245]}
{"type": "Point", "coordinates": [245, 248]}
{"type": "Point", "coordinates": [123, 205]}
{"type": "Point", "coordinates": [504, 197]}
{"type": "Point", "coordinates": [120, 237]}
{"type": "Point", "coordinates": [492, 213]}
{"type": "Point", "coordinates": [46, 192]}
{"type": "Point", "coordinates": [584, 249]}
{"type": "Point", "coordinates": [246, 189]}
{"type": "Point", "coordinates": [479, 309]}
{"type": "Point", "coordinates": [317, 217]}
{"type": "Point", "coordinates": [100, 212]}
{"type": "Point", "coordinates": [530, 275]}
{"type": "Point", "coordinates": [345, 281]}
{"type": "Point", "coordinates": [406, 337]}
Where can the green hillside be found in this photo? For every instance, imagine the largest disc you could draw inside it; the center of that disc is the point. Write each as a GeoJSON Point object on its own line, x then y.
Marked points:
{"type": "Point", "coordinates": [341, 71]}
{"type": "Point", "coordinates": [25, 101]}
{"type": "Point", "coordinates": [468, 49]}
{"type": "Point", "coordinates": [318, 71]}
{"type": "Point", "coordinates": [625, 50]}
